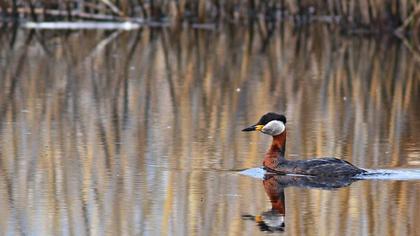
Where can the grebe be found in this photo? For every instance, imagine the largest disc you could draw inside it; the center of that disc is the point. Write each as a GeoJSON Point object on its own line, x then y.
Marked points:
{"type": "Point", "coordinates": [274, 161]}
{"type": "Point", "coordinates": [273, 219]}
{"type": "Point", "coordinates": [274, 185]}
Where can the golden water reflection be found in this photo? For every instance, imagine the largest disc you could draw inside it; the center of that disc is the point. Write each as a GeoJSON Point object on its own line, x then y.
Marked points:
{"type": "Point", "coordinates": [138, 133]}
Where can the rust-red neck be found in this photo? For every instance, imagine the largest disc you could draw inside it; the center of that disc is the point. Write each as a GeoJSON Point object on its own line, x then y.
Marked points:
{"type": "Point", "coordinates": [276, 154]}
{"type": "Point", "coordinates": [275, 192]}
{"type": "Point", "coordinates": [278, 146]}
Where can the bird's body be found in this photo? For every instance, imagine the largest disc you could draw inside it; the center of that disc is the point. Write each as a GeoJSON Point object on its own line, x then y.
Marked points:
{"type": "Point", "coordinates": [325, 167]}
{"type": "Point", "coordinates": [275, 161]}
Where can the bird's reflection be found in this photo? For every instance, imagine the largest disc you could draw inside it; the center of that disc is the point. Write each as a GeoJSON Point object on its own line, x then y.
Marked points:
{"type": "Point", "coordinates": [274, 219]}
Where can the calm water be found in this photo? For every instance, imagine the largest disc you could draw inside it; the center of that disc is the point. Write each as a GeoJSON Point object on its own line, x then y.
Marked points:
{"type": "Point", "coordinates": [138, 133]}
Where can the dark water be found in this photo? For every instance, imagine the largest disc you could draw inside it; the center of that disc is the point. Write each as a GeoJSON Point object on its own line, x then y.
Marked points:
{"type": "Point", "coordinates": [138, 133]}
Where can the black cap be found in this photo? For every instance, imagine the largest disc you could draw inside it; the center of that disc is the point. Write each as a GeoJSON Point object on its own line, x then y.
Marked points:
{"type": "Point", "coordinates": [270, 117]}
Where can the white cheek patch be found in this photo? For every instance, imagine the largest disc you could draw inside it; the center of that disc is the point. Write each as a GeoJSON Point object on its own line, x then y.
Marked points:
{"type": "Point", "coordinates": [273, 128]}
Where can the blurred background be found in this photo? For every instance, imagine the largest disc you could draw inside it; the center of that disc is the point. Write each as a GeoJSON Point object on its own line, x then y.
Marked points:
{"type": "Point", "coordinates": [113, 132]}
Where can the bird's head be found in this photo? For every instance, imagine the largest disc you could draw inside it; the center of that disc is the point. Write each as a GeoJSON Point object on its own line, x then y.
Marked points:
{"type": "Point", "coordinates": [271, 123]}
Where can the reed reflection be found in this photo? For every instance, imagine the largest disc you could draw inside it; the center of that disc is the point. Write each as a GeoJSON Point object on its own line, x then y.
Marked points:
{"type": "Point", "coordinates": [127, 133]}
{"type": "Point", "coordinates": [274, 219]}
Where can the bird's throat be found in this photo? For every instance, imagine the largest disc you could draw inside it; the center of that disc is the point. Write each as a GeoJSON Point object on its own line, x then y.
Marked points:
{"type": "Point", "coordinates": [275, 157]}
{"type": "Point", "coordinates": [278, 146]}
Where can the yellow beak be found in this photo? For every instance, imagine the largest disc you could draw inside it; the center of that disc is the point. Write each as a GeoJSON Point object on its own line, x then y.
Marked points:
{"type": "Point", "coordinates": [254, 128]}
{"type": "Point", "coordinates": [258, 218]}
{"type": "Point", "coordinates": [259, 127]}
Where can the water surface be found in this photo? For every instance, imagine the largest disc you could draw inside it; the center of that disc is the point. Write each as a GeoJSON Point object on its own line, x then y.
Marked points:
{"type": "Point", "coordinates": [138, 133]}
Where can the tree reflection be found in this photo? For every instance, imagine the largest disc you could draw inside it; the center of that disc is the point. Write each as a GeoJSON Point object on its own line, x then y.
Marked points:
{"type": "Point", "coordinates": [126, 132]}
